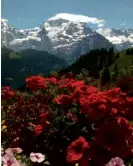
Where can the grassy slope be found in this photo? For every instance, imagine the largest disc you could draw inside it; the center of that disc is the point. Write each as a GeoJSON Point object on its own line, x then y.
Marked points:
{"type": "Point", "coordinates": [122, 61]}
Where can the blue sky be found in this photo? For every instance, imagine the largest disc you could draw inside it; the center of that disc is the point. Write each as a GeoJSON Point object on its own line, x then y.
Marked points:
{"type": "Point", "coordinates": [32, 13]}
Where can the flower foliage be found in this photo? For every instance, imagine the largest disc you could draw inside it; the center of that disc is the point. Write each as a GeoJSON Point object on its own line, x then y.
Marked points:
{"type": "Point", "coordinates": [69, 121]}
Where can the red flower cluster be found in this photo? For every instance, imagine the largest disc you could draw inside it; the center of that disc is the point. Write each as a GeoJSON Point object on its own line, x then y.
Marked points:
{"type": "Point", "coordinates": [43, 126]}
{"type": "Point", "coordinates": [64, 99]}
{"type": "Point", "coordinates": [35, 82]}
{"type": "Point", "coordinates": [108, 110]}
{"type": "Point", "coordinates": [116, 136]}
{"type": "Point", "coordinates": [94, 103]}
{"type": "Point", "coordinates": [7, 94]}
{"type": "Point", "coordinates": [66, 83]}
{"type": "Point", "coordinates": [52, 80]}
{"type": "Point", "coordinates": [68, 108]}
{"type": "Point", "coordinates": [38, 82]}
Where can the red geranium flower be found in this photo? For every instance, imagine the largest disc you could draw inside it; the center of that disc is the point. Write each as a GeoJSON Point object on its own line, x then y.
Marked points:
{"type": "Point", "coordinates": [116, 136]}
{"type": "Point", "coordinates": [52, 80]}
{"type": "Point", "coordinates": [98, 155]}
{"type": "Point", "coordinates": [64, 99]}
{"type": "Point", "coordinates": [84, 161]}
{"type": "Point", "coordinates": [38, 130]}
{"type": "Point", "coordinates": [7, 94]}
{"type": "Point", "coordinates": [5, 88]}
{"type": "Point", "coordinates": [35, 82]}
{"type": "Point", "coordinates": [44, 127]}
{"type": "Point", "coordinates": [77, 150]}
{"type": "Point", "coordinates": [77, 83]}
{"type": "Point", "coordinates": [43, 117]}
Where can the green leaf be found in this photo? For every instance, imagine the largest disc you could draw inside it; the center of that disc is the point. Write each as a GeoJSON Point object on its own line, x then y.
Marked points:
{"type": "Point", "coordinates": [47, 163]}
{"type": "Point", "coordinates": [131, 122]}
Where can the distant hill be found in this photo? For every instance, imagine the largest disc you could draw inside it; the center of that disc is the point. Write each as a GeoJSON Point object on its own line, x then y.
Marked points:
{"type": "Point", "coordinates": [97, 60]}
{"type": "Point", "coordinates": [124, 60]}
{"type": "Point", "coordinates": [16, 66]}
{"type": "Point", "coordinates": [94, 60]}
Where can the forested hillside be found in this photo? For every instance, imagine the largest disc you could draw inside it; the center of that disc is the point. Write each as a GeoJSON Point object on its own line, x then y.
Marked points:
{"type": "Point", "coordinates": [16, 66]}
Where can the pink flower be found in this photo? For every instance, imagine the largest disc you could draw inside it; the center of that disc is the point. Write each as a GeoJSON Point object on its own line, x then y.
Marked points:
{"type": "Point", "coordinates": [9, 160]}
{"type": "Point", "coordinates": [37, 157]}
{"type": "Point", "coordinates": [17, 150]}
{"type": "Point", "coordinates": [9, 152]}
{"type": "Point", "coordinates": [117, 161]}
{"type": "Point", "coordinates": [13, 150]}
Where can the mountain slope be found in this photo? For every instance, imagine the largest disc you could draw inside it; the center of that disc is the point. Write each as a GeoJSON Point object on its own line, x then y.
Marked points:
{"type": "Point", "coordinates": [96, 60]}
{"type": "Point", "coordinates": [16, 66]}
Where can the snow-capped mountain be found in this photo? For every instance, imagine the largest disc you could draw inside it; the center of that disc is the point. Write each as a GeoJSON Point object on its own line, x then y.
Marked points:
{"type": "Point", "coordinates": [121, 38]}
{"type": "Point", "coordinates": [65, 35]}
{"type": "Point", "coordinates": [10, 34]}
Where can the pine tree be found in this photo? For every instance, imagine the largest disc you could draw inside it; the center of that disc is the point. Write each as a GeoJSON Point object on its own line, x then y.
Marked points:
{"type": "Point", "coordinates": [100, 62]}
{"type": "Point", "coordinates": [95, 72]}
{"type": "Point", "coordinates": [110, 56]}
{"type": "Point", "coordinates": [105, 76]}
{"type": "Point", "coordinates": [116, 69]}
{"type": "Point", "coordinates": [115, 73]}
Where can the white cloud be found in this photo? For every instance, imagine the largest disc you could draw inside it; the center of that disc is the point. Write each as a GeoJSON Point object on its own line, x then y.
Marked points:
{"type": "Point", "coordinates": [18, 19]}
{"type": "Point", "coordinates": [79, 18]}
{"type": "Point", "coordinates": [123, 23]}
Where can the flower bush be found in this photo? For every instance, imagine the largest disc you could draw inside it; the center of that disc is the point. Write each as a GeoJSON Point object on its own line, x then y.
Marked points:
{"type": "Point", "coordinates": [65, 122]}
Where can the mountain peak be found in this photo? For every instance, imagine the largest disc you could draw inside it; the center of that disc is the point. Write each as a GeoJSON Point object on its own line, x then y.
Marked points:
{"type": "Point", "coordinates": [121, 38]}
{"type": "Point", "coordinates": [4, 20]}
{"type": "Point", "coordinates": [77, 18]}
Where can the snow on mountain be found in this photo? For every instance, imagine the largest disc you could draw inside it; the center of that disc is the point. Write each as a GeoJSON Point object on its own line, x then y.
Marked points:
{"type": "Point", "coordinates": [9, 33]}
{"type": "Point", "coordinates": [65, 35]}
{"type": "Point", "coordinates": [77, 18]}
{"type": "Point", "coordinates": [121, 38]}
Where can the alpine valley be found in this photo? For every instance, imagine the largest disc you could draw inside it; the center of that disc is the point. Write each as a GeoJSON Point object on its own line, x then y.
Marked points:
{"type": "Point", "coordinates": [58, 42]}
